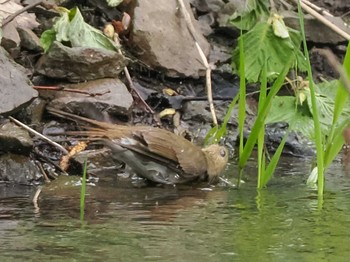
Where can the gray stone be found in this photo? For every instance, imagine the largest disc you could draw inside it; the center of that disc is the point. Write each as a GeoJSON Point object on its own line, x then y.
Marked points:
{"type": "Point", "coordinates": [316, 31]}
{"type": "Point", "coordinates": [98, 159]}
{"type": "Point", "coordinates": [77, 64]}
{"type": "Point", "coordinates": [19, 169]}
{"type": "Point", "coordinates": [14, 139]}
{"type": "Point", "coordinates": [163, 41]}
{"type": "Point", "coordinates": [29, 40]}
{"type": "Point", "coordinates": [15, 88]}
{"type": "Point", "coordinates": [111, 96]}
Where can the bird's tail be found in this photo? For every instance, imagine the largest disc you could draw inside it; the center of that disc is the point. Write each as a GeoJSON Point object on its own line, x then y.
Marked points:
{"type": "Point", "coordinates": [80, 119]}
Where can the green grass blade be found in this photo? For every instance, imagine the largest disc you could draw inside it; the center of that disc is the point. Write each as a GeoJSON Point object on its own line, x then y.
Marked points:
{"type": "Point", "coordinates": [273, 162]}
{"type": "Point", "coordinates": [242, 94]}
{"type": "Point", "coordinates": [83, 192]}
{"type": "Point", "coordinates": [318, 134]}
{"type": "Point", "coordinates": [261, 137]}
{"type": "Point", "coordinates": [334, 146]}
{"type": "Point", "coordinates": [260, 120]}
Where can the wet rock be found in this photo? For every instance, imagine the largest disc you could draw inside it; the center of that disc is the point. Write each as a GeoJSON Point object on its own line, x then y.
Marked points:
{"type": "Point", "coordinates": [77, 64]}
{"type": "Point", "coordinates": [33, 113]}
{"type": "Point", "coordinates": [29, 40]}
{"type": "Point", "coordinates": [296, 144]}
{"type": "Point", "coordinates": [14, 139]}
{"type": "Point", "coordinates": [163, 41]}
{"type": "Point", "coordinates": [19, 169]}
{"type": "Point", "coordinates": [112, 98]}
{"type": "Point", "coordinates": [15, 89]}
{"type": "Point", "coordinates": [98, 160]}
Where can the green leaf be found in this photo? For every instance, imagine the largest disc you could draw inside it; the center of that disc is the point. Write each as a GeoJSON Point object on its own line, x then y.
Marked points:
{"type": "Point", "coordinates": [82, 34]}
{"type": "Point", "coordinates": [47, 38]}
{"type": "Point", "coordinates": [249, 13]}
{"type": "Point", "coordinates": [299, 118]}
{"type": "Point", "coordinates": [70, 29]}
{"type": "Point", "coordinates": [262, 44]}
{"type": "Point", "coordinates": [61, 27]}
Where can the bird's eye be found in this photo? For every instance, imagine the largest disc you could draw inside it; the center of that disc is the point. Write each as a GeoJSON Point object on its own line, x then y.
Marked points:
{"type": "Point", "coordinates": [222, 152]}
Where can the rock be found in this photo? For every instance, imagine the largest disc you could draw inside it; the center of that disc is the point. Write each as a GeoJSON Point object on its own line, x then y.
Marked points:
{"type": "Point", "coordinates": [112, 98]}
{"type": "Point", "coordinates": [14, 139]}
{"type": "Point", "coordinates": [162, 40]}
{"type": "Point", "coordinates": [29, 40]}
{"type": "Point", "coordinates": [315, 31]}
{"type": "Point", "coordinates": [19, 169]}
{"type": "Point", "coordinates": [15, 89]}
{"type": "Point", "coordinates": [11, 38]}
{"type": "Point", "coordinates": [33, 113]}
{"type": "Point", "coordinates": [98, 160]}
{"type": "Point", "coordinates": [77, 64]}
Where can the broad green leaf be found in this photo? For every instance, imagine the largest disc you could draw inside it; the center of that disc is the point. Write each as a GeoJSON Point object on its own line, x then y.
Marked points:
{"type": "Point", "coordinates": [61, 27]}
{"type": "Point", "coordinates": [262, 44]}
{"type": "Point", "coordinates": [299, 117]}
{"type": "Point", "coordinates": [248, 13]}
{"type": "Point", "coordinates": [285, 109]}
{"type": "Point", "coordinates": [71, 28]}
{"type": "Point", "coordinates": [82, 34]}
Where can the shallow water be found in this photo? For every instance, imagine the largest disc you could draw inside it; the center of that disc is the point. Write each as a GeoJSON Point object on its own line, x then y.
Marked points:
{"type": "Point", "coordinates": [283, 222]}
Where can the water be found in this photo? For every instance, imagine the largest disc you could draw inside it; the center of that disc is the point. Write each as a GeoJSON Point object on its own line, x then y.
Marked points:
{"type": "Point", "coordinates": [282, 223]}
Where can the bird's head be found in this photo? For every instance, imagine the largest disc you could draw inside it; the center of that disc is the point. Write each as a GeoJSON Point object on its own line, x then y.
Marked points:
{"type": "Point", "coordinates": [217, 158]}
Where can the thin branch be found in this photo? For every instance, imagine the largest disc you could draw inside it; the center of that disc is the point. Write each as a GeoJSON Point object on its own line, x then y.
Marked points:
{"type": "Point", "coordinates": [39, 135]}
{"type": "Point", "coordinates": [14, 15]}
{"type": "Point", "coordinates": [128, 78]}
{"type": "Point", "coordinates": [64, 89]}
{"type": "Point", "coordinates": [192, 31]}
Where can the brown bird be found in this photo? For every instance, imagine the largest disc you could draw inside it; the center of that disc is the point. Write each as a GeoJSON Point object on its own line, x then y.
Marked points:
{"type": "Point", "coordinates": [154, 153]}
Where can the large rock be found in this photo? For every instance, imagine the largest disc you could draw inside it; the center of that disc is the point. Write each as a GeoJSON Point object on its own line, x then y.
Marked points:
{"type": "Point", "coordinates": [163, 41]}
{"type": "Point", "coordinates": [15, 88]}
{"type": "Point", "coordinates": [19, 169]}
{"type": "Point", "coordinates": [108, 95]}
{"type": "Point", "coordinates": [77, 64]}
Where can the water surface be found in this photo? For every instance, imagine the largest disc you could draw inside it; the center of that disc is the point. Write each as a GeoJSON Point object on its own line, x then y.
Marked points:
{"type": "Point", "coordinates": [281, 223]}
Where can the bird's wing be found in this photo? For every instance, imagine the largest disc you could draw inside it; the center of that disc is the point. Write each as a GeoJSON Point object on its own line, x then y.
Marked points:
{"type": "Point", "coordinates": [164, 143]}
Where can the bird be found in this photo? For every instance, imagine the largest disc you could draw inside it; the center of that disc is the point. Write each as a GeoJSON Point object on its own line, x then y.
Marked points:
{"type": "Point", "coordinates": [153, 153]}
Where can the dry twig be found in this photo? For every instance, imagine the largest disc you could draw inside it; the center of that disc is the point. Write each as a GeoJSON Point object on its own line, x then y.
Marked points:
{"type": "Point", "coordinates": [204, 59]}
{"type": "Point", "coordinates": [14, 15]}
{"type": "Point", "coordinates": [39, 135]}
